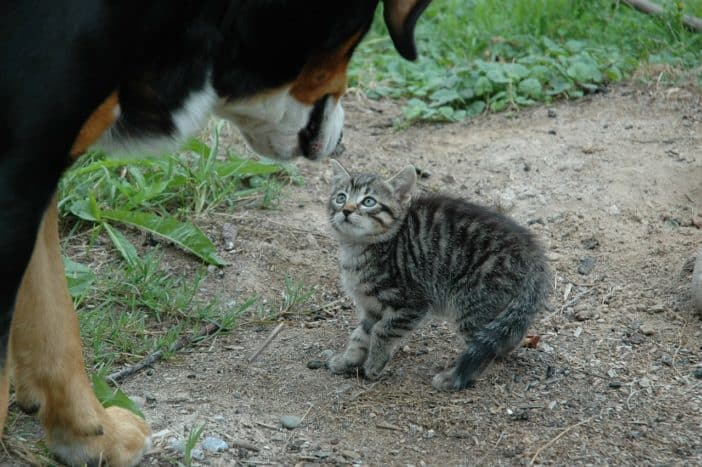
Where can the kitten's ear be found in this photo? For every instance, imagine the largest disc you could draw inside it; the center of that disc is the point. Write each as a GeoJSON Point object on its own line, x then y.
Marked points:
{"type": "Point", "coordinates": [340, 173]}
{"type": "Point", "coordinates": [404, 182]}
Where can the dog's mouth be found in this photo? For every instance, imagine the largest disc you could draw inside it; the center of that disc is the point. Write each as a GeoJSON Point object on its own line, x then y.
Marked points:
{"type": "Point", "coordinates": [310, 138]}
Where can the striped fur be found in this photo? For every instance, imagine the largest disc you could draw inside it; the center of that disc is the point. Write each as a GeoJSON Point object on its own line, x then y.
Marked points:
{"type": "Point", "coordinates": [403, 259]}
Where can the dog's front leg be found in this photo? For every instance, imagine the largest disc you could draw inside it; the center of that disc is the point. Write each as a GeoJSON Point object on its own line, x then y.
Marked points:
{"type": "Point", "coordinates": [50, 377]}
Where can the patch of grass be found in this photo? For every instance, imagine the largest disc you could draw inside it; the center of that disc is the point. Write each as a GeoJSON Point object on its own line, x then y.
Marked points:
{"type": "Point", "coordinates": [131, 305]}
{"type": "Point", "coordinates": [296, 295]}
{"type": "Point", "coordinates": [481, 55]}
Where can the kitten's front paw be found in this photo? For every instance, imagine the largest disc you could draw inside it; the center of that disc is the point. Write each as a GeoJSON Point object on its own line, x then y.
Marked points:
{"type": "Point", "coordinates": [448, 381]}
{"type": "Point", "coordinates": [371, 374]}
{"type": "Point", "coordinates": [340, 365]}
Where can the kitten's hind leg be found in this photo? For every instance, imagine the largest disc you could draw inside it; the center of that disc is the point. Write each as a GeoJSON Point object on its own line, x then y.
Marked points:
{"type": "Point", "coordinates": [385, 336]}
{"type": "Point", "coordinates": [356, 351]}
{"type": "Point", "coordinates": [487, 344]}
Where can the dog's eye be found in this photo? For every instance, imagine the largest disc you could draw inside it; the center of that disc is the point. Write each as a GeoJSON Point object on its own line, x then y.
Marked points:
{"type": "Point", "coordinates": [340, 198]}
{"type": "Point", "coordinates": [369, 202]}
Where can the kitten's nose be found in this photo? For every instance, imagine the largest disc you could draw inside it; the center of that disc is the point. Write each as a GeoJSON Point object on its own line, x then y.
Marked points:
{"type": "Point", "coordinates": [346, 212]}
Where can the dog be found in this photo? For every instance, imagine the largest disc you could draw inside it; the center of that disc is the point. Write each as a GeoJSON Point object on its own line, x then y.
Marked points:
{"type": "Point", "coordinates": [75, 74]}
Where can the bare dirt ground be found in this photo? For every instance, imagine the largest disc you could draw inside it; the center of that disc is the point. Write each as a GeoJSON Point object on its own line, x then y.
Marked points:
{"type": "Point", "coordinates": [611, 183]}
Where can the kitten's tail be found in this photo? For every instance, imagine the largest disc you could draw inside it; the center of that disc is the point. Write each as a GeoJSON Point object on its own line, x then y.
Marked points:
{"type": "Point", "coordinates": [505, 332]}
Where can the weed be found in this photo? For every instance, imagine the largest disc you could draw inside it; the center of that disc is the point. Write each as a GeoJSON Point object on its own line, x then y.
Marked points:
{"type": "Point", "coordinates": [294, 298]}
{"type": "Point", "coordinates": [190, 443]}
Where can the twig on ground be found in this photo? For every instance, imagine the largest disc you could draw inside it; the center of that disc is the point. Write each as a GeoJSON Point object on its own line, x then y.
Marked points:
{"type": "Point", "coordinates": [208, 330]}
{"type": "Point", "coordinates": [691, 22]}
{"type": "Point", "coordinates": [241, 444]}
{"type": "Point", "coordinates": [558, 436]}
{"type": "Point", "coordinates": [388, 426]}
{"type": "Point", "coordinates": [575, 300]}
{"type": "Point", "coordinates": [267, 342]}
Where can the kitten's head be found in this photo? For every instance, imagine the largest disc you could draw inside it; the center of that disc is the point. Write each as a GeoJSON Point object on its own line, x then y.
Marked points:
{"type": "Point", "coordinates": [364, 208]}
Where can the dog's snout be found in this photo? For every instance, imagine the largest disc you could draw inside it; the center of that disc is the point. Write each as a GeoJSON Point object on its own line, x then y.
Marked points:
{"type": "Point", "coordinates": [307, 137]}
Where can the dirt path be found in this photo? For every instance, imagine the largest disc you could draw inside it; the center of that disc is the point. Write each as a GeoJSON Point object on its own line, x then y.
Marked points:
{"type": "Point", "coordinates": [612, 182]}
{"type": "Point", "coordinates": [614, 179]}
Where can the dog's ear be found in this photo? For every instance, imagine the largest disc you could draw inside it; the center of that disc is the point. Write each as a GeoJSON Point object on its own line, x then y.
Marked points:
{"type": "Point", "coordinates": [400, 17]}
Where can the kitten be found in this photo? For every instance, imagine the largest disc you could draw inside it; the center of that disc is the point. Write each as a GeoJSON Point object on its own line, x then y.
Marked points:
{"type": "Point", "coordinates": [405, 258]}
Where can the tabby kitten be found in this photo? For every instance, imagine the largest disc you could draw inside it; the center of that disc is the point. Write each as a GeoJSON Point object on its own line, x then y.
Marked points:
{"type": "Point", "coordinates": [405, 258]}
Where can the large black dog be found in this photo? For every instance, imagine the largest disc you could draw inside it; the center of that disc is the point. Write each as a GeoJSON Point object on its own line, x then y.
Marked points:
{"type": "Point", "coordinates": [74, 73]}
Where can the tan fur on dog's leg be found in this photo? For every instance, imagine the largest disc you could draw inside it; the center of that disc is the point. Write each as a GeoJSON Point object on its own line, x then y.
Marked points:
{"type": "Point", "coordinates": [47, 360]}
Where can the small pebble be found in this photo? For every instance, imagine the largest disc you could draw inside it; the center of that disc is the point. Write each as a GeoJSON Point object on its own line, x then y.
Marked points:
{"type": "Point", "coordinates": [586, 265]}
{"type": "Point", "coordinates": [615, 384]}
{"type": "Point", "coordinates": [290, 421]}
{"type": "Point", "coordinates": [697, 373]}
{"type": "Point", "coordinates": [551, 131]}
{"type": "Point", "coordinates": [614, 210]}
{"type": "Point", "coordinates": [647, 330]}
{"type": "Point", "coordinates": [327, 354]}
{"type": "Point", "coordinates": [590, 243]}
{"type": "Point", "coordinates": [584, 315]}
{"type": "Point", "coordinates": [197, 454]}
{"type": "Point", "coordinates": [552, 256]}
{"type": "Point", "coordinates": [213, 444]}
{"type": "Point", "coordinates": [138, 401]}
{"type": "Point", "coordinates": [429, 434]}
{"type": "Point", "coordinates": [211, 268]}
{"type": "Point", "coordinates": [551, 113]}
{"type": "Point", "coordinates": [645, 382]}
{"type": "Point", "coordinates": [350, 454]}
{"type": "Point", "coordinates": [315, 364]}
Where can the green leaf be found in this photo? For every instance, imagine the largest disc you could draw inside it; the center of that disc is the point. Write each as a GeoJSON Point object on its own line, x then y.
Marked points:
{"type": "Point", "coordinates": [444, 96]}
{"type": "Point", "coordinates": [123, 245]}
{"type": "Point", "coordinates": [531, 87]}
{"type": "Point", "coordinates": [483, 86]}
{"type": "Point", "coordinates": [93, 206]}
{"type": "Point", "coordinates": [584, 72]}
{"type": "Point", "coordinates": [109, 397]}
{"type": "Point", "coordinates": [79, 277]}
{"type": "Point", "coordinates": [184, 234]}
{"type": "Point", "coordinates": [81, 209]}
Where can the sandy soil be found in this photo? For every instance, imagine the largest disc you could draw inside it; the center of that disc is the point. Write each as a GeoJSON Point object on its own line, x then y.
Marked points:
{"type": "Point", "coordinates": [613, 181]}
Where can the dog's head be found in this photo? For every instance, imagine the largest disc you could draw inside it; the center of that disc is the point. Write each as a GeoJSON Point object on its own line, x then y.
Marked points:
{"type": "Point", "coordinates": [281, 72]}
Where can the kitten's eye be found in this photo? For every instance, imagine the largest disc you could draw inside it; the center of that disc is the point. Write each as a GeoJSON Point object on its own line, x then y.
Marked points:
{"type": "Point", "coordinates": [369, 202]}
{"type": "Point", "coordinates": [340, 198]}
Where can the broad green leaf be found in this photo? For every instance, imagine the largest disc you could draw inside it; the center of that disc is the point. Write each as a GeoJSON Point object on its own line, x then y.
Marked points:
{"type": "Point", "coordinates": [109, 397]}
{"type": "Point", "coordinates": [81, 209]}
{"type": "Point", "coordinates": [123, 245]}
{"type": "Point", "coordinates": [530, 87]}
{"type": "Point", "coordinates": [444, 96]}
{"type": "Point", "coordinates": [184, 234]}
{"type": "Point", "coordinates": [79, 277]}
{"type": "Point", "coordinates": [483, 86]}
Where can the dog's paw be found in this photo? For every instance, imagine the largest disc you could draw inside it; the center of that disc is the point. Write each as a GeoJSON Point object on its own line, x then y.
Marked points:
{"type": "Point", "coordinates": [123, 441]}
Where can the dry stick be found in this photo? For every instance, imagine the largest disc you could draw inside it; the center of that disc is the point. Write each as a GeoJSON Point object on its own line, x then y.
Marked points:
{"type": "Point", "coordinates": [267, 342]}
{"type": "Point", "coordinates": [559, 436]}
{"type": "Point", "coordinates": [184, 341]}
{"type": "Point", "coordinates": [650, 8]}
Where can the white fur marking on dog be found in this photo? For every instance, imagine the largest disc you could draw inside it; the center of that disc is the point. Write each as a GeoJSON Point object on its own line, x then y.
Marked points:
{"type": "Point", "coordinates": [188, 120]}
